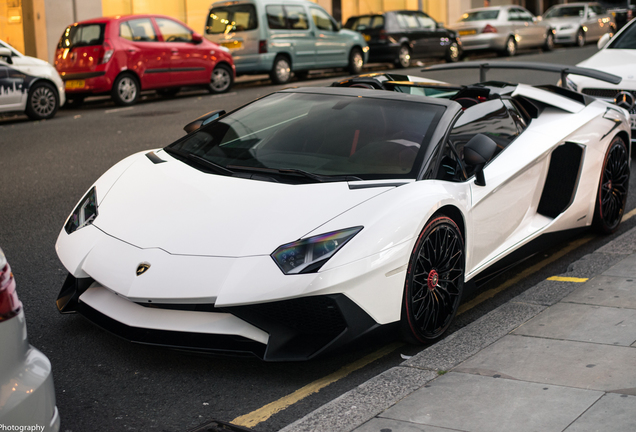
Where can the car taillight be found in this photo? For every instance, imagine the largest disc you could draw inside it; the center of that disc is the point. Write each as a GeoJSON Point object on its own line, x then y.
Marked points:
{"type": "Point", "coordinates": [489, 29]}
{"type": "Point", "coordinates": [108, 52]}
{"type": "Point", "coordinates": [262, 46]}
{"type": "Point", "coordinates": [9, 303]}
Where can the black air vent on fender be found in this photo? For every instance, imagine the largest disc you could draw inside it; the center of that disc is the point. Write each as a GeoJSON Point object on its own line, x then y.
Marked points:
{"type": "Point", "coordinates": [563, 177]}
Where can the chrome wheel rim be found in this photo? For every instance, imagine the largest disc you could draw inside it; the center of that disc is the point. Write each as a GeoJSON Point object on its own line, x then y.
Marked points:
{"type": "Point", "coordinates": [580, 38]}
{"type": "Point", "coordinates": [614, 186]}
{"type": "Point", "coordinates": [283, 71]}
{"type": "Point", "coordinates": [454, 52]}
{"type": "Point", "coordinates": [436, 280]}
{"type": "Point", "coordinates": [357, 60]}
{"type": "Point", "coordinates": [512, 48]}
{"type": "Point", "coordinates": [550, 41]}
{"type": "Point", "coordinates": [221, 80]}
{"type": "Point", "coordinates": [404, 57]}
{"type": "Point", "coordinates": [43, 101]}
{"type": "Point", "coordinates": [127, 89]}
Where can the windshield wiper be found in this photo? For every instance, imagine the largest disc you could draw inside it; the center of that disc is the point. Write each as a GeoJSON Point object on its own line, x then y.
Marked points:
{"type": "Point", "coordinates": [211, 166]}
{"type": "Point", "coordinates": [298, 172]}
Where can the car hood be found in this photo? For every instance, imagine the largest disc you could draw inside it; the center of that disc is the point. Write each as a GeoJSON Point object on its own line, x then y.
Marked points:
{"type": "Point", "coordinates": [176, 208]}
{"type": "Point", "coordinates": [556, 22]}
{"type": "Point", "coordinates": [616, 61]}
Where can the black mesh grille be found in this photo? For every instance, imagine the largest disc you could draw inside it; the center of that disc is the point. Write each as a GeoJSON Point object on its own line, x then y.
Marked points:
{"type": "Point", "coordinates": [608, 94]}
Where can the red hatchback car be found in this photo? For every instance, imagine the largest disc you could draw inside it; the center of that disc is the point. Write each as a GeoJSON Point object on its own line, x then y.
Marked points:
{"type": "Point", "coordinates": [125, 55]}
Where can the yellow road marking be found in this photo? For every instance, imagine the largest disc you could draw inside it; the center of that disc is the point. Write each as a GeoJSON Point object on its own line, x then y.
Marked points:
{"type": "Point", "coordinates": [524, 274]}
{"type": "Point", "coordinates": [568, 279]}
{"type": "Point", "coordinates": [628, 215]}
{"type": "Point", "coordinates": [264, 413]}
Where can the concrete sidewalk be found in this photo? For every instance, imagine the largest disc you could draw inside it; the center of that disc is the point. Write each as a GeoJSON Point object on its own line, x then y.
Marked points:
{"type": "Point", "coordinates": [559, 357]}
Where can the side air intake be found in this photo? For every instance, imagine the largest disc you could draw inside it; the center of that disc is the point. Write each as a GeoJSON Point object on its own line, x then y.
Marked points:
{"type": "Point", "coordinates": [563, 177]}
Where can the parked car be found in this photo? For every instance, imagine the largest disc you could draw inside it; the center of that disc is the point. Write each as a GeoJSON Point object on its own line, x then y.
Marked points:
{"type": "Point", "coordinates": [27, 395]}
{"type": "Point", "coordinates": [622, 15]}
{"type": "Point", "coordinates": [28, 85]}
{"type": "Point", "coordinates": [344, 211]}
{"type": "Point", "coordinates": [617, 55]}
{"type": "Point", "coordinates": [503, 29]}
{"type": "Point", "coordinates": [124, 55]}
{"type": "Point", "coordinates": [279, 37]}
{"type": "Point", "coordinates": [579, 23]}
{"type": "Point", "coordinates": [398, 37]}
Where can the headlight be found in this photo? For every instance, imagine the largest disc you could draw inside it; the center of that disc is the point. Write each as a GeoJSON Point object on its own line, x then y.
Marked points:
{"type": "Point", "coordinates": [308, 255]}
{"type": "Point", "coordinates": [84, 214]}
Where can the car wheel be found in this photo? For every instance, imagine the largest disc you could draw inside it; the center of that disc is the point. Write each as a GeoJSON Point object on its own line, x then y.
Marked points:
{"type": "Point", "coordinates": [511, 47]}
{"type": "Point", "coordinates": [43, 101]}
{"type": "Point", "coordinates": [612, 191]}
{"type": "Point", "coordinates": [404, 57]}
{"type": "Point", "coordinates": [125, 90]}
{"type": "Point", "coordinates": [580, 38]}
{"type": "Point", "coordinates": [221, 79]}
{"type": "Point", "coordinates": [434, 281]}
{"type": "Point", "coordinates": [281, 72]}
{"type": "Point", "coordinates": [549, 41]}
{"type": "Point", "coordinates": [169, 92]}
{"type": "Point", "coordinates": [453, 53]}
{"type": "Point", "coordinates": [356, 61]}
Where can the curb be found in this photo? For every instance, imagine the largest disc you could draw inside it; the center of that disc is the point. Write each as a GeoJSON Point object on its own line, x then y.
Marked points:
{"type": "Point", "coordinates": [361, 404]}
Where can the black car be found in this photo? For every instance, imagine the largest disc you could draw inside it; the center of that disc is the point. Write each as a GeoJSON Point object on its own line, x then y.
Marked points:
{"type": "Point", "coordinates": [400, 36]}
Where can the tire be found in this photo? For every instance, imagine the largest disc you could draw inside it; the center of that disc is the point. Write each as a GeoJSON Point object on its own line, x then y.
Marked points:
{"type": "Point", "coordinates": [125, 91]}
{"type": "Point", "coordinates": [612, 190]}
{"type": "Point", "coordinates": [580, 38]}
{"type": "Point", "coordinates": [511, 47]}
{"type": "Point", "coordinates": [43, 101]}
{"type": "Point", "coordinates": [169, 92]}
{"type": "Point", "coordinates": [221, 79]}
{"type": "Point", "coordinates": [281, 71]}
{"type": "Point", "coordinates": [403, 59]}
{"type": "Point", "coordinates": [434, 281]}
{"type": "Point", "coordinates": [356, 61]}
{"type": "Point", "coordinates": [549, 41]}
{"type": "Point", "coordinates": [453, 53]}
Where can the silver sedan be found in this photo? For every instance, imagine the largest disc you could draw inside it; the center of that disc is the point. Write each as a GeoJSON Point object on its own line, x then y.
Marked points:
{"type": "Point", "coordinates": [504, 29]}
{"type": "Point", "coordinates": [578, 23]}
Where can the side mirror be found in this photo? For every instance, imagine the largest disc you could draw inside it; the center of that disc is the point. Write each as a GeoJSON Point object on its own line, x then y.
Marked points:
{"type": "Point", "coordinates": [5, 54]}
{"type": "Point", "coordinates": [603, 41]}
{"type": "Point", "coordinates": [196, 38]}
{"type": "Point", "coordinates": [439, 25]}
{"type": "Point", "coordinates": [477, 152]}
{"type": "Point", "coordinates": [203, 120]}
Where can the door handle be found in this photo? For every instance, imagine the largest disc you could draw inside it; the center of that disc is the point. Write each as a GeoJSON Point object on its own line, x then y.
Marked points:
{"type": "Point", "coordinates": [175, 51]}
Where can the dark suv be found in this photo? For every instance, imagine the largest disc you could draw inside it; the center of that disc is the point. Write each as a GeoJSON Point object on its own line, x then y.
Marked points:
{"type": "Point", "coordinates": [400, 36]}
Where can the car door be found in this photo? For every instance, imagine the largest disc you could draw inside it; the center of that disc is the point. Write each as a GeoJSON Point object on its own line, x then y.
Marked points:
{"type": "Point", "coordinates": [433, 39]}
{"type": "Point", "coordinates": [500, 208]}
{"type": "Point", "coordinates": [12, 92]}
{"type": "Point", "coordinates": [189, 64]}
{"type": "Point", "coordinates": [298, 36]}
{"type": "Point", "coordinates": [411, 27]}
{"type": "Point", "coordinates": [331, 47]}
{"type": "Point", "coordinates": [145, 54]}
{"type": "Point", "coordinates": [530, 34]}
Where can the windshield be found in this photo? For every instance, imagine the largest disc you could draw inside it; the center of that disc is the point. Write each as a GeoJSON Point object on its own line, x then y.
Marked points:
{"type": "Point", "coordinates": [480, 15]}
{"type": "Point", "coordinates": [326, 135]}
{"type": "Point", "coordinates": [82, 35]}
{"type": "Point", "coordinates": [625, 40]}
{"type": "Point", "coordinates": [566, 12]}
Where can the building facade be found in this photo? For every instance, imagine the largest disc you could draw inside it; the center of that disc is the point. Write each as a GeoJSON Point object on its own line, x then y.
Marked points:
{"type": "Point", "coordinates": [34, 27]}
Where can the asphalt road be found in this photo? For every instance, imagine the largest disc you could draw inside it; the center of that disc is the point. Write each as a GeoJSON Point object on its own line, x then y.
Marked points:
{"type": "Point", "coordinates": [107, 384]}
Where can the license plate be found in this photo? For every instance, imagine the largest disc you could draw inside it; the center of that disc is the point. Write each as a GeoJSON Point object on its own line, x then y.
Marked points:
{"type": "Point", "coordinates": [232, 45]}
{"type": "Point", "coordinates": [367, 37]}
{"type": "Point", "coordinates": [74, 84]}
{"type": "Point", "coordinates": [633, 121]}
{"type": "Point", "coordinates": [467, 32]}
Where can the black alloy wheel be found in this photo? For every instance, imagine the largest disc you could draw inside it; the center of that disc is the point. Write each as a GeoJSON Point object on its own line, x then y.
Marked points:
{"type": "Point", "coordinates": [612, 191]}
{"type": "Point", "coordinates": [434, 281]}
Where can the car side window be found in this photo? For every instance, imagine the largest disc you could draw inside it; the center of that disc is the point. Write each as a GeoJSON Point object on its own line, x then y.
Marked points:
{"type": "Point", "coordinates": [513, 15]}
{"type": "Point", "coordinates": [426, 22]}
{"type": "Point", "coordinates": [450, 166]}
{"type": "Point", "coordinates": [322, 20]}
{"type": "Point", "coordinates": [525, 16]}
{"type": "Point", "coordinates": [276, 19]}
{"type": "Point", "coordinates": [172, 31]}
{"type": "Point", "coordinates": [407, 20]}
{"type": "Point", "coordinates": [138, 30]}
{"type": "Point", "coordinates": [297, 18]}
{"type": "Point", "coordinates": [490, 118]}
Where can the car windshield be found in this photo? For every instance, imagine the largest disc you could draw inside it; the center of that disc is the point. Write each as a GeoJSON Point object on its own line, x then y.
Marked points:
{"type": "Point", "coordinates": [82, 35]}
{"type": "Point", "coordinates": [625, 40]}
{"type": "Point", "coordinates": [566, 12]}
{"type": "Point", "coordinates": [235, 18]}
{"type": "Point", "coordinates": [480, 15]}
{"type": "Point", "coordinates": [320, 135]}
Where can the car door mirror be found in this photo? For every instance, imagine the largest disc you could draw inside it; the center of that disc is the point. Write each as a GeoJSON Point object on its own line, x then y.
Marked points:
{"type": "Point", "coordinates": [203, 120]}
{"type": "Point", "coordinates": [439, 25]}
{"type": "Point", "coordinates": [5, 54]}
{"type": "Point", "coordinates": [478, 152]}
{"type": "Point", "coordinates": [602, 42]}
{"type": "Point", "coordinates": [196, 38]}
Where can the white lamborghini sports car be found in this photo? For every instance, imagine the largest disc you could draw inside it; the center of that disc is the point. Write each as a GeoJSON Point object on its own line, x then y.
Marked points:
{"type": "Point", "coordinates": [314, 216]}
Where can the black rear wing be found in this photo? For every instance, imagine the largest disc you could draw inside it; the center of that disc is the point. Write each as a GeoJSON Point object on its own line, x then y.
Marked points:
{"type": "Point", "coordinates": [564, 70]}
